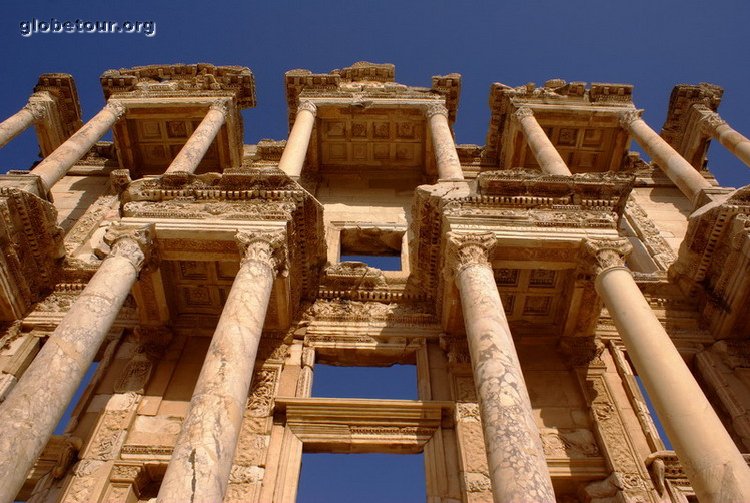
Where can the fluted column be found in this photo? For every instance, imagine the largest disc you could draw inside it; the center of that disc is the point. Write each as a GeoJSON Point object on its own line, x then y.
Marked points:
{"type": "Point", "coordinates": [448, 164]}
{"type": "Point", "coordinates": [541, 146]}
{"type": "Point", "coordinates": [191, 154]}
{"type": "Point", "coordinates": [518, 468]}
{"type": "Point", "coordinates": [714, 465]}
{"type": "Point", "coordinates": [687, 179]}
{"type": "Point", "coordinates": [55, 165]}
{"type": "Point", "coordinates": [202, 458]}
{"type": "Point", "coordinates": [293, 157]}
{"type": "Point", "coordinates": [29, 415]}
{"type": "Point", "coordinates": [735, 142]}
{"type": "Point", "coordinates": [20, 121]}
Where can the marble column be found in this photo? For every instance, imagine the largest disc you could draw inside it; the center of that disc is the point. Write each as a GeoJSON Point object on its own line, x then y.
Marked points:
{"type": "Point", "coordinates": [712, 462]}
{"type": "Point", "coordinates": [685, 176]}
{"type": "Point", "coordinates": [293, 157]}
{"type": "Point", "coordinates": [20, 121]}
{"type": "Point", "coordinates": [55, 165]}
{"type": "Point", "coordinates": [202, 458]}
{"type": "Point", "coordinates": [32, 410]}
{"type": "Point", "coordinates": [191, 154]}
{"type": "Point", "coordinates": [732, 140]}
{"type": "Point", "coordinates": [448, 164]}
{"type": "Point", "coordinates": [541, 146]}
{"type": "Point", "coordinates": [517, 465]}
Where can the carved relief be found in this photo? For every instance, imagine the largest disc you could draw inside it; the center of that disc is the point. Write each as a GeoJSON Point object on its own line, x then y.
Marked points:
{"type": "Point", "coordinates": [622, 456]}
{"type": "Point", "coordinates": [262, 390]}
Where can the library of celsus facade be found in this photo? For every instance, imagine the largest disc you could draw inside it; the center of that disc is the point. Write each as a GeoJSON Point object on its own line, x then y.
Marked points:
{"type": "Point", "coordinates": [550, 281]}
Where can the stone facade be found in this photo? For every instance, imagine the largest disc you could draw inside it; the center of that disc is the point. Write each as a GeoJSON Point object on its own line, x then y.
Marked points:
{"type": "Point", "coordinates": [549, 280]}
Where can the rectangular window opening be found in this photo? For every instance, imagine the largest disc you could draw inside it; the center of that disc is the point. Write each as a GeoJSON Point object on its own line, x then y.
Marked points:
{"type": "Point", "coordinates": [377, 247]}
{"type": "Point", "coordinates": [398, 382]}
{"type": "Point", "coordinates": [364, 478]}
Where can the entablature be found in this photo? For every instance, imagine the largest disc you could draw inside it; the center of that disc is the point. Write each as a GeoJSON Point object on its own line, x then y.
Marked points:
{"type": "Point", "coordinates": [713, 263]}
{"type": "Point", "coordinates": [582, 123]}
{"type": "Point", "coordinates": [365, 81]}
{"type": "Point", "coordinates": [153, 129]}
{"type": "Point", "coordinates": [683, 128]}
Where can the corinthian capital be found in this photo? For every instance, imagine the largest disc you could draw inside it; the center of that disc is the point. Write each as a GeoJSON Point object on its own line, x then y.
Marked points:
{"type": "Point", "coordinates": [605, 254]}
{"type": "Point", "coordinates": [220, 106]}
{"type": "Point", "coordinates": [629, 116]}
{"type": "Point", "coordinates": [522, 113]}
{"type": "Point", "coordinates": [116, 108]}
{"type": "Point", "coordinates": [465, 250]}
{"type": "Point", "coordinates": [133, 242]}
{"type": "Point", "coordinates": [710, 121]}
{"type": "Point", "coordinates": [436, 109]}
{"type": "Point", "coordinates": [268, 247]}
{"type": "Point", "coordinates": [37, 109]}
{"type": "Point", "coordinates": [308, 106]}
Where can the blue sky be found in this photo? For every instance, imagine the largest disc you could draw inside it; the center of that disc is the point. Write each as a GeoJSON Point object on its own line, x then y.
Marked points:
{"type": "Point", "coordinates": [651, 44]}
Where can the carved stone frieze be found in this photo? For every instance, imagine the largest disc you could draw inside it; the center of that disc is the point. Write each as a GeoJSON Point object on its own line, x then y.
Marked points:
{"type": "Point", "coordinates": [31, 246]}
{"type": "Point", "coordinates": [181, 80]}
{"type": "Point", "coordinates": [628, 469]}
{"type": "Point", "coordinates": [349, 310]}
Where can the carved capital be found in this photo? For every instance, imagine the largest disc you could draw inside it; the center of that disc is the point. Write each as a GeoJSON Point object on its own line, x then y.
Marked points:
{"type": "Point", "coordinates": [308, 106]}
{"type": "Point", "coordinates": [465, 250]}
{"type": "Point", "coordinates": [119, 179]}
{"type": "Point", "coordinates": [710, 121]}
{"type": "Point", "coordinates": [220, 106]}
{"type": "Point", "coordinates": [133, 242]}
{"type": "Point", "coordinates": [606, 253]}
{"type": "Point", "coordinates": [38, 110]}
{"type": "Point", "coordinates": [268, 247]}
{"type": "Point", "coordinates": [522, 113]}
{"type": "Point", "coordinates": [436, 109]}
{"type": "Point", "coordinates": [628, 117]}
{"type": "Point", "coordinates": [116, 108]}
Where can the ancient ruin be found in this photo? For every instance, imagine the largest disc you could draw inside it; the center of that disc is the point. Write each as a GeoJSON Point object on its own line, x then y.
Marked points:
{"type": "Point", "coordinates": [549, 281]}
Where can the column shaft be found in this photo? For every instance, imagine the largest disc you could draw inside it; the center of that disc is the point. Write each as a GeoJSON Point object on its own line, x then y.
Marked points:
{"type": "Point", "coordinates": [55, 165]}
{"type": "Point", "coordinates": [293, 157]}
{"type": "Point", "coordinates": [29, 415]}
{"type": "Point", "coordinates": [448, 163]}
{"type": "Point", "coordinates": [687, 179]}
{"type": "Point", "coordinates": [202, 458]}
{"type": "Point", "coordinates": [711, 460]}
{"type": "Point", "coordinates": [191, 154]}
{"type": "Point", "coordinates": [517, 465]}
{"type": "Point", "coordinates": [731, 139]}
{"type": "Point", "coordinates": [15, 125]}
{"type": "Point", "coordinates": [541, 146]}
